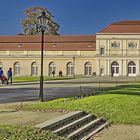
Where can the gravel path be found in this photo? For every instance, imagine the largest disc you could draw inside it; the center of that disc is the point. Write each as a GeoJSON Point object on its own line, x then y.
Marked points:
{"type": "Point", "coordinates": [13, 116]}
{"type": "Point", "coordinates": [119, 132]}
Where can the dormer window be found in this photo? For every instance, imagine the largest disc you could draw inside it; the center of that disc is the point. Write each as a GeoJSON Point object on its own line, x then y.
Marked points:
{"type": "Point", "coordinates": [115, 44]}
{"type": "Point", "coordinates": [89, 45]}
{"type": "Point", "coordinates": [19, 45]}
{"type": "Point", "coordinates": [54, 45]}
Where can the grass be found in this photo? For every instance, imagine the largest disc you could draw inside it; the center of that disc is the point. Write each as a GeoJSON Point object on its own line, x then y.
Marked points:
{"type": "Point", "coordinates": [26, 133]}
{"type": "Point", "coordinates": [118, 106]}
{"type": "Point", "coordinates": [36, 78]}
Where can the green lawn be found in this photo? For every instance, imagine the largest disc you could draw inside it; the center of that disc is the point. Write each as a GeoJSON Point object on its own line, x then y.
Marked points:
{"type": "Point", "coordinates": [36, 78]}
{"type": "Point", "coordinates": [26, 133]}
{"type": "Point", "coordinates": [118, 106]}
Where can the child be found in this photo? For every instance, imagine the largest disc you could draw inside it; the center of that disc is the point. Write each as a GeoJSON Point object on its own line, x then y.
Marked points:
{"type": "Point", "coordinates": [3, 79]}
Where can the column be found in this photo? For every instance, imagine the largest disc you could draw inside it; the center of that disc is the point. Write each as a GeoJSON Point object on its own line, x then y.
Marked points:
{"type": "Point", "coordinates": [137, 67]}
{"type": "Point", "coordinates": [98, 67]}
{"type": "Point", "coordinates": [124, 68]}
{"type": "Point", "coordinates": [108, 67]}
{"type": "Point", "coordinates": [121, 67]}
{"type": "Point", "coordinates": [105, 67]}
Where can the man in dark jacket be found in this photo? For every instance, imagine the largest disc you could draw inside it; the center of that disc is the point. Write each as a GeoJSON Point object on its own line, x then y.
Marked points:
{"type": "Point", "coordinates": [9, 76]}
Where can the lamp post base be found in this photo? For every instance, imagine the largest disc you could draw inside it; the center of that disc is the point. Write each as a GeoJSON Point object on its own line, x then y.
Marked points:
{"type": "Point", "coordinates": [41, 89]}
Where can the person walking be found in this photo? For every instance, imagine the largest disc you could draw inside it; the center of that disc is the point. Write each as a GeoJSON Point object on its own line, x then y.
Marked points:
{"type": "Point", "coordinates": [60, 73]}
{"type": "Point", "coordinates": [9, 76]}
{"type": "Point", "coordinates": [53, 73]}
{"type": "Point", "coordinates": [1, 74]}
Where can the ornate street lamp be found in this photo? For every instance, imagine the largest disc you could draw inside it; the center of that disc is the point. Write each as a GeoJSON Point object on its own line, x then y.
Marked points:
{"type": "Point", "coordinates": [73, 66]}
{"type": "Point", "coordinates": [42, 26]}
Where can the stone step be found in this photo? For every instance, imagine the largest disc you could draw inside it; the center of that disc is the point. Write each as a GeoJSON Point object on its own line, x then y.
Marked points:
{"type": "Point", "coordinates": [75, 135]}
{"type": "Point", "coordinates": [106, 124]}
{"type": "Point", "coordinates": [60, 121]}
{"type": "Point", "coordinates": [74, 125]}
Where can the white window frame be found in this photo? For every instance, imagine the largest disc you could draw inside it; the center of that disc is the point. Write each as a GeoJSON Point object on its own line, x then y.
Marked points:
{"type": "Point", "coordinates": [131, 68]}
{"type": "Point", "coordinates": [52, 67]}
{"type": "Point", "coordinates": [34, 69]}
{"type": "Point", "coordinates": [17, 69]}
{"type": "Point", "coordinates": [115, 68]}
{"type": "Point", "coordinates": [88, 69]}
{"type": "Point", "coordinates": [1, 65]}
{"type": "Point", "coordinates": [70, 69]}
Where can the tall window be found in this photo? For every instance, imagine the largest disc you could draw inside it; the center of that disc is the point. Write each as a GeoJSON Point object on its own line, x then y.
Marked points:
{"type": "Point", "coordinates": [102, 51]}
{"type": "Point", "coordinates": [131, 69]}
{"type": "Point", "coordinates": [70, 69]}
{"type": "Point", "coordinates": [88, 69]}
{"type": "Point", "coordinates": [52, 68]}
{"type": "Point", "coordinates": [115, 69]}
{"type": "Point", "coordinates": [102, 71]}
{"type": "Point", "coordinates": [1, 65]}
{"type": "Point", "coordinates": [34, 69]}
{"type": "Point", "coordinates": [17, 68]}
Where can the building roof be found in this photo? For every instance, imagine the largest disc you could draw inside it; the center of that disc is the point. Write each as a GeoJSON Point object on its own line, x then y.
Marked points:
{"type": "Point", "coordinates": [126, 26]}
{"type": "Point", "coordinates": [53, 42]}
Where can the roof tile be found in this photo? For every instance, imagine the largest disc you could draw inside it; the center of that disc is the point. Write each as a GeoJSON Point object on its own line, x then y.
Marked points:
{"type": "Point", "coordinates": [126, 26]}
{"type": "Point", "coordinates": [28, 42]}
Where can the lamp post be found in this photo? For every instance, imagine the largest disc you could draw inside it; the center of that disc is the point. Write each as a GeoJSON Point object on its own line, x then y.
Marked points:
{"type": "Point", "coordinates": [73, 66]}
{"type": "Point", "coordinates": [42, 21]}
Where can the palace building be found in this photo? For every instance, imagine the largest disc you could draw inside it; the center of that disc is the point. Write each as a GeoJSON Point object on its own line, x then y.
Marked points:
{"type": "Point", "coordinates": [113, 51]}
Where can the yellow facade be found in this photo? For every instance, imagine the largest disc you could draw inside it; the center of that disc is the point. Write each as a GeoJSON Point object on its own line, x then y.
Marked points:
{"type": "Point", "coordinates": [128, 50]}
{"type": "Point", "coordinates": [59, 58]}
{"type": "Point", "coordinates": [114, 51]}
{"type": "Point", "coordinates": [100, 62]}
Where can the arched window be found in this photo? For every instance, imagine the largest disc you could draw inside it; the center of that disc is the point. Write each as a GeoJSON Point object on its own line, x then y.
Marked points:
{"type": "Point", "coordinates": [88, 69]}
{"type": "Point", "coordinates": [70, 69]}
{"type": "Point", "coordinates": [34, 69]}
{"type": "Point", "coordinates": [17, 68]}
{"type": "Point", "coordinates": [131, 68]}
{"type": "Point", "coordinates": [1, 65]}
{"type": "Point", "coordinates": [115, 69]}
{"type": "Point", "coordinates": [52, 69]}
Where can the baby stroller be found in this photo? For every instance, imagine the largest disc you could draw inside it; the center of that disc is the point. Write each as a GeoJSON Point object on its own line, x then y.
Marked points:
{"type": "Point", "coordinates": [4, 80]}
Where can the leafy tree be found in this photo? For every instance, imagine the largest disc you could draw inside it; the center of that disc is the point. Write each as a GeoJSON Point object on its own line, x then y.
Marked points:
{"type": "Point", "coordinates": [29, 24]}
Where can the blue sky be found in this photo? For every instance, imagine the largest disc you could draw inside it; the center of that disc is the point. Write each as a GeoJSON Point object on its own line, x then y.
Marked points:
{"type": "Point", "coordinates": [74, 16]}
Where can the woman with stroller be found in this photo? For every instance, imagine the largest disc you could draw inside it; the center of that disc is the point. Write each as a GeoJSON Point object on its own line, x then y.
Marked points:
{"type": "Point", "coordinates": [2, 77]}
{"type": "Point", "coordinates": [1, 74]}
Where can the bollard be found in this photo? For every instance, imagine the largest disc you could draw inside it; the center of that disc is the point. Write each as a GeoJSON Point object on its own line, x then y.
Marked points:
{"type": "Point", "coordinates": [81, 93]}
{"type": "Point", "coordinates": [21, 103]}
